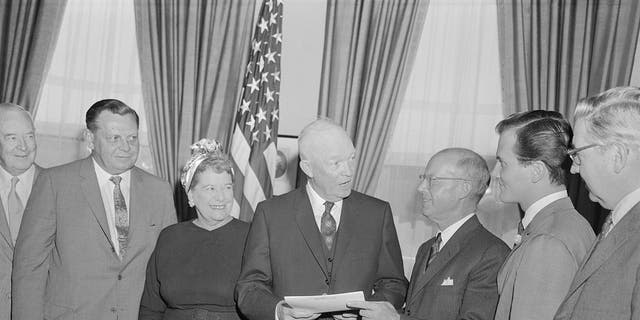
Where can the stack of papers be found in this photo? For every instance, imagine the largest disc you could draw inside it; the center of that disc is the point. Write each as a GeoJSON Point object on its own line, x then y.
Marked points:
{"type": "Point", "coordinates": [324, 303]}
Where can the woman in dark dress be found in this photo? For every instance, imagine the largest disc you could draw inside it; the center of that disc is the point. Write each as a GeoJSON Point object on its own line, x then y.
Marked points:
{"type": "Point", "coordinates": [194, 267]}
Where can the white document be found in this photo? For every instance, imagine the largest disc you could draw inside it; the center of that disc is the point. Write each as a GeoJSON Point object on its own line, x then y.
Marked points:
{"type": "Point", "coordinates": [324, 303]}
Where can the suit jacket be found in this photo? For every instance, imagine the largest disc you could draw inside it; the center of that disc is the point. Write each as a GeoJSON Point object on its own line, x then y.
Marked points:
{"type": "Point", "coordinates": [65, 265]}
{"type": "Point", "coordinates": [285, 255]}
{"type": "Point", "coordinates": [536, 276]}
{"type": "Point", "coordinates": [607, 285]}
{"type": "Point", "coordinates": [6, 259]}
{"type": "Point", "coordinates": [469, 262]}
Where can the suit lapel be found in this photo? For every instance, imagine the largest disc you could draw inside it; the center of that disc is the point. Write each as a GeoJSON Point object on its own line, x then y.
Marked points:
{"type": "Point", "coordinates": [347, 228]}
{"type": "Point", "coordinates": [4, 224]}
{"type": "Point", "coordinates": [309, 228]}
{"type": "Point", "coordinates": [91, 192]}
{"type": "Point", "coordinates": [601, 252]}
{"type": "Point", "coordinates": [417, 272]}
{"type": "Point", "coordinates": [136, 212]}
{"type": "Point", "coordinates": [5, 233]}
{"type": "Point", "coordinates": [448, 252]}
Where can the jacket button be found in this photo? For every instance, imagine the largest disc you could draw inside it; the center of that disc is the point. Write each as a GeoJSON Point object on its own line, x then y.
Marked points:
{"type": "Point", "coordinates": [326, 281]}
{"type": "Point", "coordinates": [330, 259]}
{"type": "Point", "coordinates": [119, 277]}
{"type": "Point", "coordinates": [114, 310]}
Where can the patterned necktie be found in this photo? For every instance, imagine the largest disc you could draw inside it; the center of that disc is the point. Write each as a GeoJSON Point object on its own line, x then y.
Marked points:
{"type": "Point", "coordinates": [519, 235]}
{"type": "Point", "coordinates": [122, 218]}
{"type": "Point", "coordinates": [328, 225]}
{"type": "Point", "coordinates": [15, 209]}
{"type": "Point", "coordinates": [433, 251]}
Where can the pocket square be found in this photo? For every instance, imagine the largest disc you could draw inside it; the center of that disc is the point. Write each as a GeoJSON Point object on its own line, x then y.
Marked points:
{"type": "Point", "coordinates": [447, 282]}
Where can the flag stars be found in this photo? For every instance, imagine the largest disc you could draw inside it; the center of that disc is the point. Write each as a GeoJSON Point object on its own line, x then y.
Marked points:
{"type": "Point", "coordinates": [276, 76]}
{"type": "Point", "coordinates": [254, 136]}
{"type": "Point", "coordinates": [269, 95]}
{"type": "Point", "coordinates": [263, 25]}
{"type": "Point", "coordinates": [244, 107]}
{"type": "Point", "coordinates": [256, 46]}
{"type": "Point", "coordinates": [254, 84]}
{"type": "Point", "coordinates": [274, 115]}
{"type": "Point", "coordinates": [252, 122]}
{"type": "Point", "coordinates": [270, 56]}
{"type": "Point", "coordinates": [267, 133]}
{"type": "Point", "coordinates": [261, 63]}
{"type": "Point", "coordinates": [261, 115]}
{"type": "Point", "coordinates": [270, 4]}
{"type": "Point", "coordinates": [272, 19]}
{"type": "Point", "coordinates": [265, 76]}
{"type": "Point", "coordinates": [278, 37]}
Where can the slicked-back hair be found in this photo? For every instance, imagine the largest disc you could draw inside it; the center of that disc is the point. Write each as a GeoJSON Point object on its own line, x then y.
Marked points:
{"type": "Point", "coordinates": [112, 105]}
{"type": "Point", "coordinates": [541, 135]}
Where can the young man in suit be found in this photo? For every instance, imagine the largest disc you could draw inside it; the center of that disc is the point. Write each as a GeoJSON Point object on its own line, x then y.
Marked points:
{"type": "Point", "coordinates": [607, 156]}
{"type": "Point", "coordinates": [17, 175]}
{"type": "Point", "coordinates": [90, 227]}
{"type": "Point", "coordinates": [320, 238]}
{"type": "Point", "coordinates": [553, 237]}
{"type": "Point", "coordinates": [454, 276]}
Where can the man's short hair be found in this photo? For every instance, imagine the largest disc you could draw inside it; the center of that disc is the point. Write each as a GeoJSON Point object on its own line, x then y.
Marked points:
{"type": "Point", "coordinates": [541, 135]}
{"type": "Point", "coordinates": [617, 122]}
{"type": "Point", "coordinates": [111, 105]}
{"type": "Point", "coordinates": [313, 131]}
{"type": "Point", "coordinates": [587, 105]}
{"type": "Point", "coordinates": [476, 169]}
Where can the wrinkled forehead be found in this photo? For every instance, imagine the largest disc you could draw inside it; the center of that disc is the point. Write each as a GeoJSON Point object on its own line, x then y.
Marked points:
{"type": "Point", "coordinates": [331, 144]}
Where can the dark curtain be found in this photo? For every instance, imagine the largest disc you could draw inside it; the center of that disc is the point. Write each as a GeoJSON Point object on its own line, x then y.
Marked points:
{"type": "Point", "coordinates": [192, 60]}
{"type": "Point", "coordinates": [369, 50]}
{"type": "Point", "coordinates": [555, 52]}
{"type": "Point", "coordinates": [28, 33]}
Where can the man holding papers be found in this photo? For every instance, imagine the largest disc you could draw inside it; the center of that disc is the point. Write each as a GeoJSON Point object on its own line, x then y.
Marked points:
{"type": "Point", "coordinates": [322, 238]}
{"type": "Point", "coordinates": [455, 273]}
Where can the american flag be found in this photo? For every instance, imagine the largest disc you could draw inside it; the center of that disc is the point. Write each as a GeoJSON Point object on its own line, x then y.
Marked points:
{"type": "Point", "coordinates": [253, 145]}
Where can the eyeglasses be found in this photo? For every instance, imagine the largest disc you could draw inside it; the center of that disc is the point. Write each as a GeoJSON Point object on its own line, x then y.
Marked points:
{"type": "Point", "coordinates": [430, 179]}
{"type": "Point", "coordinates": [573, 153]}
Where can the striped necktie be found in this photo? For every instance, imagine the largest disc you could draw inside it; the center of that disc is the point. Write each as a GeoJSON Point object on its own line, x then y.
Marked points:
{"type": "Point", "coordinates": [433, 251]}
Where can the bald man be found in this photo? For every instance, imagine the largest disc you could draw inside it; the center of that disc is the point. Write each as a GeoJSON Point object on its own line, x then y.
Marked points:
{"type": "Point", "coordinates": [17, 174]}
{"type": "Point", "coordinates": [322, 238]}
{"type": "Point", "coordinates": [455, 274]}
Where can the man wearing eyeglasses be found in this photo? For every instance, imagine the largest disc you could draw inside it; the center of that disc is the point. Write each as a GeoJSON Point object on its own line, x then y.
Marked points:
{"type": "Point", "coordinates": [454, 276]}
{"type": "Point", "coordinates": [553, 238]}
{"type": "Point", "coordinates": [607, 156]}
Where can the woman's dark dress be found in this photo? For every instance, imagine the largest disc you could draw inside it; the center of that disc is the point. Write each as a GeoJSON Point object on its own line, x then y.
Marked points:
{"type": "Point", "coordinates": [192, 272]}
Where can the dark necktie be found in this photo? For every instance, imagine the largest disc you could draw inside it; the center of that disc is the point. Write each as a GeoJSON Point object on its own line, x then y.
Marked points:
{"type": "Point", "coordinates": [15, 209]}
{"type": "Point", "coordinates": [433, 251]}
{"type": "Point", "coordinates": [122, 218]}
{"type": "Point", "coordinates": [328, 225]}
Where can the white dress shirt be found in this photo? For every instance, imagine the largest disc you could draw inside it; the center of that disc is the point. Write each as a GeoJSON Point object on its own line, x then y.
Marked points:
{"type": "Point", "coordinates": [540, 204]}
{"type": "Point", "coordinates": [106, 190]}
{"type": "Point", "coordinates": [623, 207]}
{"type": "Point", "coordinates": [23, 188]}
{"type": "Point", "coordinates": [449, 231]}
{"type": "Point", "coordinates": [317, 204]}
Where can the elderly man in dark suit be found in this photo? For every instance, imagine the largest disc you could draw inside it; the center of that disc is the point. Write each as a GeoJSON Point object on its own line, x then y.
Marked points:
{"type": "Point", "coordinates": [90, 226]}
{"type": "Point", "coordinates": [17, 174]}
{"type": "Point", "coordinates": [321, 238]}
{"type": "Point", "coordinates": [455, 272]}
{"type": "Point", "coordinates": [607, 156]}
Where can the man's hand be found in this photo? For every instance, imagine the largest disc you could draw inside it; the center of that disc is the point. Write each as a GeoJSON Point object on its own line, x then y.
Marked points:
{"type": "Point", "coordinates": [285, 312]}
{"type": "Point", "coordinates": [375, 310]}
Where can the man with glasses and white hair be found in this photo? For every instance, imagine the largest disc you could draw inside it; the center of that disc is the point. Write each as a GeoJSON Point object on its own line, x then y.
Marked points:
{"type": "Point", "coordinates": [454, 276]}
{"type": "Point", "coordinates": [553, 238]}
{"type": "Point", "coordinates": [607, 156]}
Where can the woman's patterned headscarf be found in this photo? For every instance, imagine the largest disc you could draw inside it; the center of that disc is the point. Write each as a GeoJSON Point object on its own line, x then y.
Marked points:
{"type": "Point", "coordinates": [200, 150]}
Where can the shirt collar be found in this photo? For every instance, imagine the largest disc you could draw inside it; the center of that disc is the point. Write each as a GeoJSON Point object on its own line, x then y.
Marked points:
{"type": "Point", "coordinates": [316, 200]}
{"type": "Point", "coordinates": [624, 205]}
{"type": "Point", "coordinates": [5, 177]}
{"type": "Point", "coordinates": [103, 176]}
{"type": "Point", "coordinates": [449, 231]}
{"type": "Point", "coordinates": [537, 206]}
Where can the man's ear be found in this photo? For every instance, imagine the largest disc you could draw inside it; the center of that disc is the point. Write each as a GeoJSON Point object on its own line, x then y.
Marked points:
{"type": "Point", "coordinates": [537, 171]}
{"type": "Point", "coordinates": [464, 189]}
{"type": "Point", "coordinates": [306, 168]}
{"type": "Point", "coordinates": [88, 137]}
{"type": "Point", "coordinates": [619, 155]}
